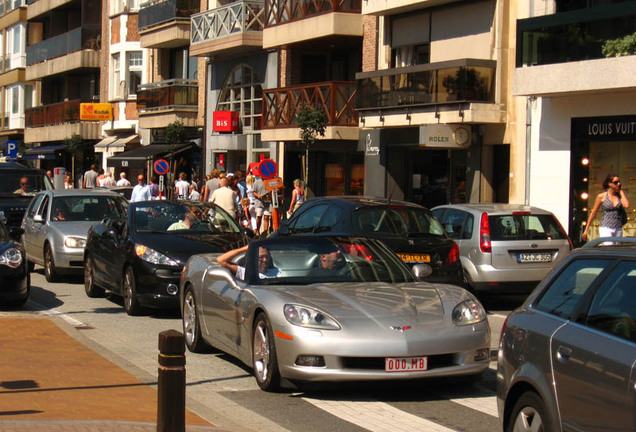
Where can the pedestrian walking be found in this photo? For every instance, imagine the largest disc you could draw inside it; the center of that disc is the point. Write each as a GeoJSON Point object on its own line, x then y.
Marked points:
{"type": "Point", "coordinates": [90, 178]}
{"type": "Point", "coordinates": [194, 194]}
{"type": "Point", "coordinates": [68, 181]}
{"type": "Point", "coordinates": [251, 209]}
{"type": "Point", "coordinates": [211, 185]}
{"type": "Point", "coordinates": [154, 187]}
{"type": "Point", "coordinates": [181, 187]}
{"type": "Point", "coordinates": [225, 197]}
{"type": "Point", "coordinates": [123, 181]}
{"type": "Point", "coordinates": [297, 198]}
{"type": "Point", "coordinates": [108, 181]}
{"type": "Point", "coordinates": [613, 202]}
{"type": "Point", "coordinates": [141, 191]}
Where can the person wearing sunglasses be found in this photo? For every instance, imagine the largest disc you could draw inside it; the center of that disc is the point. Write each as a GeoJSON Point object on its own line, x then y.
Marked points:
{"type": "Point", "coordinates": [24, 186]}
{"type": "Point", "coordinates": [613, 202]}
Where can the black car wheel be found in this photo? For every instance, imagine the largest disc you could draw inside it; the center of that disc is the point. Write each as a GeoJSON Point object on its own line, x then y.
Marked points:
{"type": "Point", "coordinates": [264, 358]}
{"type": "Point", "coordinates": [191, 328]}
{"type": "Point", "coordinates": [91, 289]}
{"type": "Point", "coordinates": [49, 265]}
{"type": "Point", "coordinates": [528, 415]}
{"type": "Point", "coordinates": [131, 304]}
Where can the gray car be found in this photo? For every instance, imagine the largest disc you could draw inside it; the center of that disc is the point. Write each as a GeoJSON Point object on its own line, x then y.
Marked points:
{"type": "Point", "coordinates": [567, 356]}
{"type": "Point", "coordinates": [56, 225]}
{"type": "Point", "coordinates": [504, 248]}
{"type": "Point", "coordinates": [332, 309]}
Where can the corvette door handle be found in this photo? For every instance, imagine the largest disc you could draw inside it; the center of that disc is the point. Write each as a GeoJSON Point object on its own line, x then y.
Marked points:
{"type": "Point", "coordinates": [563, 354]}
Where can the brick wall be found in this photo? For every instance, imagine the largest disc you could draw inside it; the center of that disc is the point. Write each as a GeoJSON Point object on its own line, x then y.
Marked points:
{"type": "Point", "coordinates": [370, 43]}
{"type": "Point", "coordinates": [132, 30]}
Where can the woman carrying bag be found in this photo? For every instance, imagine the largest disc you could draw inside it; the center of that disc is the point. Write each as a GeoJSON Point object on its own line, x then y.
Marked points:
{"type": "Point", "coordinates": [613, 202]}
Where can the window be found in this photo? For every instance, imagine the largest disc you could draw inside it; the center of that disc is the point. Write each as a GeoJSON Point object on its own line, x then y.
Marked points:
{"type": "Point", "coordinates": [458, 224]}
{"type": "Point", "coordinates": [116, 77]}
{"type": "Point", "coordinates": [15, 100]}
{"type": "Point", "coordinates": [566, 291]}
{"type": "Point", "coordinates": [135, 68]}
{"type": "Point", "coordinates": [242, 92]}
{"type": "Point", "coordinates": [613, 307]}
{"type": "Point", "coordinates": [309, 219]}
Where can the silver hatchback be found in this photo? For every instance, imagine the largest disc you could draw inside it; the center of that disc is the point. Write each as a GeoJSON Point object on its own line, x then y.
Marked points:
{"type": "Point", "coordinates": [56, 225]}
{"type": "Point", "coordinates": [567, 356]}
{"type": "Point", "coordinates": [504, 248]}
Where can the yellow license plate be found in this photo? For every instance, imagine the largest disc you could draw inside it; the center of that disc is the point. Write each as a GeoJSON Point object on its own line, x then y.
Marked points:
{"type": "Point", "coordinates": [414, 258]}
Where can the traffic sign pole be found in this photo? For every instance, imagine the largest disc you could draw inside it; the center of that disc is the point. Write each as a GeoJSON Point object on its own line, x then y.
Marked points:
{"type": "Point", "coordinates": [275, 208]}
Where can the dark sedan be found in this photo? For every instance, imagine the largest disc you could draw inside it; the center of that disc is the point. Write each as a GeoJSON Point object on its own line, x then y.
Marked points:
{"type": "Point", "coordinates": [141, 257]}
{"type": "Point", "coordinates": [14, 273]}
{"type": "Point", "coordinates": [409, 229]}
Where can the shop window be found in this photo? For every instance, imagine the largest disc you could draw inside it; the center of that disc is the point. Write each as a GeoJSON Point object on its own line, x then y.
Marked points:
{"type": "Point", "coordinates": [335, 179]}
{"type": "Point", "coordinates": [356, 184]}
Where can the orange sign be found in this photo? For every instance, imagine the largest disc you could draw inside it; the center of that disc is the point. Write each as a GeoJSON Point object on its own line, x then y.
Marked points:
{"type": "Point", "coordinates": [274, 183]}
{"type": "Point", "coordinates": [96, 111]}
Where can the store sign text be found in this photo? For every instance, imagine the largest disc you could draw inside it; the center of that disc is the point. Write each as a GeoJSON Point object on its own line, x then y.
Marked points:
{"type": "Point", "coordinates": [611, 128]}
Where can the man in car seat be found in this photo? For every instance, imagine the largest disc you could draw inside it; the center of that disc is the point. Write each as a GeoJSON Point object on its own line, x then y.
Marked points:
{"type": "Point", "coordinates": [331, 262]}
{"type": "Point", "coordinates": [266, 268]}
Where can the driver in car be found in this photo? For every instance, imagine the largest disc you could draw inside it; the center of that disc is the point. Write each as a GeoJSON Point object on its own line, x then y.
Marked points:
{"type": "Point", "coordinates": [330, 262]}
{"type": "Point", "coordinates": [189, 219]}
{"type": "Point", "coordinates": [266, 268]}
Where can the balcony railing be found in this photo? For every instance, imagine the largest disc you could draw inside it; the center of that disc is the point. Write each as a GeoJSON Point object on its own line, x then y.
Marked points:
{"type": "Point", "coordinates": [157, 12]}
{"type": "Point", "coordinates": [284, 11]}
{"type": "Point", "coordinates": [235, 18]}
{"type": "Point", "coordinates": [573, 36]}
{"type": "Point", "coordinates": [169, 94]}
{"type": "Point", "coordinates": [466, 80]}
{"type": "Point", "coordinates": [63, 44]}
{"type": "Point", "coordinates": [335, 98]}
{"type": "Point", "coordinates": [57, 113]}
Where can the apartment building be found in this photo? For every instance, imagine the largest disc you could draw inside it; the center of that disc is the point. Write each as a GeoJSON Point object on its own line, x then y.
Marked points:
{"type": "Point", "coordinates": [15, 92]}
{"type": "Point", "coordinates": [63, 46]}
{"type": "Point", "coordinates": [580, 91]}
{"type": "Point", "coordinates": [438, 121]}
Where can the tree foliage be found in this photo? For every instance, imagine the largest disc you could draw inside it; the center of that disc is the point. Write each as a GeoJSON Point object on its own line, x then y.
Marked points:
{"type": "Point", "coordinates": [624, 46]}
{"type": "Point", "coordinates": [311, 122]}
{"type": "Point", "coordinates": [175, 133]}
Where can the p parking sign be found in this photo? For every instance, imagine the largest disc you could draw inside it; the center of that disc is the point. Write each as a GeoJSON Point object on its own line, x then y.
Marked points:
{"type": "Point", "coordinates": [12, 150]}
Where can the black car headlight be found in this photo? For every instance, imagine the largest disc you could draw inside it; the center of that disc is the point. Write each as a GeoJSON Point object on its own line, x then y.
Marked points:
{"type": "Point", "coordinates": [468, 312]}
{"type": "Point", "coordinates": [154, 257]}
{"type": "Point", "coordinates": [12, 257]}
{"type": "Point", "coordinates": [307, 317]}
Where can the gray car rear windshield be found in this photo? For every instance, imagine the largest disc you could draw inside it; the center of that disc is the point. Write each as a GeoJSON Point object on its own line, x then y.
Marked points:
{"type": "Point", "coordinates": [524, 227]}
{"type": "Point", "coordinates": [399, 221]}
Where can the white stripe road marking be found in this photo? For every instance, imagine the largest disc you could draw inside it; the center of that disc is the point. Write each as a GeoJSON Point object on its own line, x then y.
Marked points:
{"type": "Point", "coordinates": [484, 400]}
{"type": "Point", "coordinates": [56, 313]}
{"type": "Point", "coordinates": [376, 416]}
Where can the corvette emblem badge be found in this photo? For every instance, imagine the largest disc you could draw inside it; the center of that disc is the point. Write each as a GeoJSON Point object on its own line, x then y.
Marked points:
{"type": "Point", "coordinates": [402, 329]}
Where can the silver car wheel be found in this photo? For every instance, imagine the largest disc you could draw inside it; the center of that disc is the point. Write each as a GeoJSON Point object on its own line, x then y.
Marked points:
{"type": "Point", "coordinates": [264, 359]}
{"type": "Point", "coordinates": [189, 319]}
{"type": "Point", "coordinates": [261, 352]}
{"type": "Point", "coordinates": [528, 420]}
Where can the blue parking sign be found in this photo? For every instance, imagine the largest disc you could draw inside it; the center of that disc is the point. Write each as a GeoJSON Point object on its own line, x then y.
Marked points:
{"type": "Point", "coordinates": [12, 150]}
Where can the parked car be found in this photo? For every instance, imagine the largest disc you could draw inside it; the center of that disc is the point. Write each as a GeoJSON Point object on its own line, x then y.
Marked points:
{"type": "Point", "coordinates": [56, 224]}
{"type": "Point", "coordinates": [409, 229]}
{"type": "Point", "coordinates": [14, 196]}
{"type": "Point", "coordinates": [140, 257]}
{"type": "Point", "coordinates": [125, 191]}
{"type": "Point", "coordinates": [369, 319]}
{"type": "Point", "coordinates": [14, 271]}
{"type": "Point", "coordinates": [566, 356]}
{"type": "Point", "coordinates": [504, 248]}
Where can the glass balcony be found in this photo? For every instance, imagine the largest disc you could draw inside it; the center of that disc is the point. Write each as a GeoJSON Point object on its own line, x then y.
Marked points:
{"type": "Point", "coordinates": [63, 44]}
{"type": "Point", "coordinates": [573, 36]}
{"type": "Point", "coordinates": [234, 18]}
{"type": "Point", "coordinates": [335, 98]}
{"type": "Point", "coordinates": [466, 80]}
{"type": "Point", "coordinates": [284, 11]}
{"type": "Point", "coordinates": [157, 12]}
{"type": "Point", "coordinates": [169, 94]}
{"type": "Point", "coordinates": [57, 113]}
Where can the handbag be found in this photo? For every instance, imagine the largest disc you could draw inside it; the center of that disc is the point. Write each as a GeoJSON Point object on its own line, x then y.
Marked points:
{"type": "Point", "coordinates": [623, 214]}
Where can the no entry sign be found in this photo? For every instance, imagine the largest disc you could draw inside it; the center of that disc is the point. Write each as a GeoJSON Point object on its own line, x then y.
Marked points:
{"type": "Point", "coordinates": [161, 166]}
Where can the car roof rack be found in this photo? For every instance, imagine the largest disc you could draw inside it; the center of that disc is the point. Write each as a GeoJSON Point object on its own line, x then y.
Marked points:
{"type": "Point", "coordinates": [610, 241]}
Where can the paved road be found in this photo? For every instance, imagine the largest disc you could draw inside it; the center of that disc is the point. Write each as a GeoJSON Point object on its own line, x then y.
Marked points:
{"type": "Point", "coordinates": [222, 390]}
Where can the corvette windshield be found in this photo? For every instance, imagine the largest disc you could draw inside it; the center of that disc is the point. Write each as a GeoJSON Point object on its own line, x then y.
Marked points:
{"type": "Point", "coordinates": [323, 259]}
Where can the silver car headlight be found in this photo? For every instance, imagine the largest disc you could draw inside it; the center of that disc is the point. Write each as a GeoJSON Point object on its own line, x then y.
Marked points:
{"type": "Point", "coordinates": [468, 312]}
{"type": "Point", "coordinates": [307, 317]}
{"type": "Point", "coordinates": [12, 257]}
{"type": "Point", "coordinates": [154, 257]}
{"type": "Point", "coordinates": [75, 242]}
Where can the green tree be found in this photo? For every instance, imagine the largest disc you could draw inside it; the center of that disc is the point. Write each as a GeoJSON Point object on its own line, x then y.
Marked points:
{"type": "Point", "coordinates": [624, 46]}
{"type": "Point", "coordinates": [73, 144]}
{"type": "Point", "coordinates": [311, 122]}
{"type": "Point", "coordinates": [175, 134]}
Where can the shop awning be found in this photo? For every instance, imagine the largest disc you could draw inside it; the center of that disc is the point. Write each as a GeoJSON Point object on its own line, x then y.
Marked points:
{"type": "Point", "coordinates": [43, 152]}
{"type": "Point", "coordinates": [114, 143]}
{"type": "Point", "coordinates": [139, 157]}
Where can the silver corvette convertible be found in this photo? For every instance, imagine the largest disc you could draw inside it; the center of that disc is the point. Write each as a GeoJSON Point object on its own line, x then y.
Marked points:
{"type": "Point", "coordinates": [331, 309]}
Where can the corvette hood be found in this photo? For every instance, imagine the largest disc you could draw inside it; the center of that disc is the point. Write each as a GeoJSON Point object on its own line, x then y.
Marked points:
{"type": "Point", "coordinates": [372, 300]}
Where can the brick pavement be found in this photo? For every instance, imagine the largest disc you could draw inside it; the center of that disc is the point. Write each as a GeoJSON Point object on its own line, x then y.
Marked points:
{"type": "Point", "coordinates": [50, 382]}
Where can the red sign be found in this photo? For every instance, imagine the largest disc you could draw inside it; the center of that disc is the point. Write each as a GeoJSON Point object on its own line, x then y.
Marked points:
{"type": "Point", "coordinates": [161, 166]}
{"type": "Point", "coordinates": [222, 160]}
{"type": "Point", "coordinates": [268, 168]}
{"type": "Point", "coordinates": [225, 121]}
{"type": "Point", "coordinates": [253, 169]}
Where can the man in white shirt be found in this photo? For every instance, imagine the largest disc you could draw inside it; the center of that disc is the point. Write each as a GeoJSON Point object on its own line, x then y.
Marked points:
{"type": "Point", "coordinates": [181, 187]}
{"type": "Point", "coordinates": [225, 198]}
{"type": "Point", "coordinates": [108, 180]}
{"type": "Point", "coordinates": [123, 181]}
{"type": "Point", "coordinates": [141, 192]}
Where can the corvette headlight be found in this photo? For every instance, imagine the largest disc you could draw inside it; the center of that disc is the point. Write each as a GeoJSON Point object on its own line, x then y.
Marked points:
{"type": "Point", "coordinates": [307, 317]}
{"type": "Point", "coordinates": [468, 312]}
{"type": "Point", "coordinates": [12, 257]}
{"type": "Point", "coordinates": [154, 257]}
{"type": "Point", "coordinates": [74, 242]}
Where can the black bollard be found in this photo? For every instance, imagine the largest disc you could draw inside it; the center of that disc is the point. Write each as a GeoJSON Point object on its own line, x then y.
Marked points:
{"type": "Point", "coordinates": [171, 393]}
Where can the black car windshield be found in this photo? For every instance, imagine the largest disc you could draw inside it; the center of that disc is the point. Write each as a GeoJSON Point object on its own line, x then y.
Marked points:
{"type": "Point", "coordinates": [401, 221]}
{"type": "Point", "coordinates": [27, 182]}
{"type": "Point", "coordinates": [302, 261]}
{"type": "Point", "coordinates": [86, 208]}
{"type": "Point", "coordinates": [170, 217]}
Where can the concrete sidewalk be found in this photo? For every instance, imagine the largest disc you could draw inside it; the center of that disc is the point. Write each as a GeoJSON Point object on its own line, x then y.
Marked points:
{"type": "Point", "coordinates": [49, 381]}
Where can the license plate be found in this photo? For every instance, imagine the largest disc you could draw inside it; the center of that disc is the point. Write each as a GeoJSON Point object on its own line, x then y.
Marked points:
{"type": "Point", "coordinates": [534, 257]}
{"type": "Point", "coordinates": [414, 258]}
{"type": "Point", "coordinates": [405, 364]}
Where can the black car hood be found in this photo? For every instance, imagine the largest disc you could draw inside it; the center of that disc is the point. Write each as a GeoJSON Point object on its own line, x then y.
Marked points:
{"type": "Point", "coordinates": [180, 247]}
